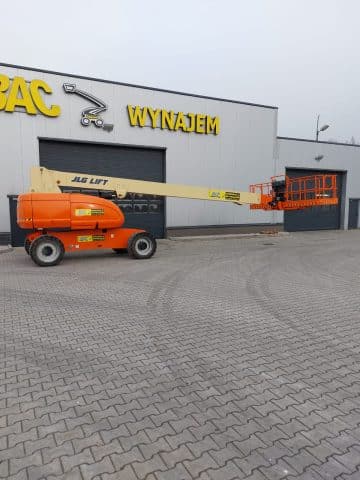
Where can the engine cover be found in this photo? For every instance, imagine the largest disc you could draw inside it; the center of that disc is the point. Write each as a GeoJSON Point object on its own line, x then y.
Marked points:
{"type": "Point", "coordinates": [67, 211]}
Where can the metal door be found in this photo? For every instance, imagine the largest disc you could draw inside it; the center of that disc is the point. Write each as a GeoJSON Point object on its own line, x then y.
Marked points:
{"type": "Point", "coordinates": [314, 218]}
{"type": "Point", "coordinates": [353, 213]}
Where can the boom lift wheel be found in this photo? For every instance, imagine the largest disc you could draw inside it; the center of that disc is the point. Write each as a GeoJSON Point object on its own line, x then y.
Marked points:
{"type": "Point", "coordinates": [141, 246]}
{"type": "Point", "coordinates": [47, 251]}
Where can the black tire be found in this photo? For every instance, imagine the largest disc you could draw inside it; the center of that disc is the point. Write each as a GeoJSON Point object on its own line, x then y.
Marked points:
{"type": "Point", "coordinates": [47, 251]}
{"type": "Point", "coordinates": [27, 246]}
{"type": "Point", "coordinates": [119, 251]}
{"type": "Point", "coordinates": [142, 246]}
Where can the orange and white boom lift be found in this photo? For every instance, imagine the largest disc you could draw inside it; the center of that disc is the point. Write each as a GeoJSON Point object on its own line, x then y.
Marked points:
{"type": "Point", "coordinates": [65, 222]}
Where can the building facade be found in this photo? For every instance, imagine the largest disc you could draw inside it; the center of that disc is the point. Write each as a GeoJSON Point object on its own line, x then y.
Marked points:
{"type": "Point", "coordinates": [85, 125]}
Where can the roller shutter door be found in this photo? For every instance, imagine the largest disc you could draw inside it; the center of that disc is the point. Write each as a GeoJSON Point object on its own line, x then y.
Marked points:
{"type": "Point", "coordinates": [145, 212]}
{"type": "Point", "coordinates": [314, 218]}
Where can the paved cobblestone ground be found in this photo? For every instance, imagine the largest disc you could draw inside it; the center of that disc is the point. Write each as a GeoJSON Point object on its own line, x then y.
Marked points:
{"type": "Point", "coordinates": [223, 359]}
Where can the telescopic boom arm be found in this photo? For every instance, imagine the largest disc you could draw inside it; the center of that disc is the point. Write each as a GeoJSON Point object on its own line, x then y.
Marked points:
{"type": "Point", "coordinates": [281, 193]}
{"type": "Point", "coordinates": [47, 181]}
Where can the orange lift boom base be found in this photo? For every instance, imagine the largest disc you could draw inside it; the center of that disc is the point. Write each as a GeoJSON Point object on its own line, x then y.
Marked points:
{"type": "Point", "coordinates": [286, 193]}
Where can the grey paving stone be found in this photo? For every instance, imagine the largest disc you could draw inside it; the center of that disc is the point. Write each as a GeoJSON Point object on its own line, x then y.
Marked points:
{"type": "Point", "coordinates": [14, 452]}
{"type": "Point", "coordinates": [45, 471]}
{"type": "Point", "coordinates": [351, 459]}
{"type": "Point", "coordinates": [126, 474]}
{"type": "Point", "coordinates": [157, 432]}
{"type": "Point", "coordinates": [120, 460]}
{"type": "Point", "coordinates": [32, 446]}
{"type": "Point", "coordinates": [74, 474]}
{"type": "Point", "coordinates": [179, 472]}
{"type": "Point", "coordinates": [19, 476]}
{"type": "Point", "coordinates": [4, 469]}
{"type": "Point", "coordinates": [323, 450]}
{"type": "Point", "coordinates": [198, 465]}
{"type": "Point", "coordinates": [256, 475]}
{"type": "Point", "coordinates": [302, 460]}
{"type": "Point", "coordinates": [180, 454]}
{"type": "Point", "coordinates": [277, 471]}
{"type": "Point", "coordinates": [143, 469]}
{"type": "Point", "coordinates": [78, 459]}
{"type": "Point", "coordinates": [149, 449]}
{"type": "Point", "coordinates": [185, 437]}
{"type": "Point", "coordinates": [17, 464]}
{"type": "Point", "coordinates": [89, 471]}
{"type": "Point", "coordinates": [229, 471]}
{"type": "Point", "coordinates": [66, 449]}
{"type": "Point", "coordinates": [352, 476]}
{"type": "Point", "coordinates": [101, 450]}
{"type": "Point", "coordinates": [332, 469]}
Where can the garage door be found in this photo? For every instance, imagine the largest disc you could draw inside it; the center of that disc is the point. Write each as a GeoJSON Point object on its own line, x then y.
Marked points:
{"type": "Point", "coordinates": [141, 211]}
{"type": "Point", "coordinates": [314, 218]}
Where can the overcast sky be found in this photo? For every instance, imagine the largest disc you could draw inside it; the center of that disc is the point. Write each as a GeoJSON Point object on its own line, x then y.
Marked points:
{"type": "Point", "coordinates": [299, 55]}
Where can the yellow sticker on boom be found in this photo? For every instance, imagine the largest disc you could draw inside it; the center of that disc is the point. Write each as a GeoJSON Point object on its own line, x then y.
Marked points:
{"type": "Point", "coordinates": [222, 195]}
{"type": "Point", "coordinates": [216, 194]}
{"type": "Point", "coordinates": [232, 196]}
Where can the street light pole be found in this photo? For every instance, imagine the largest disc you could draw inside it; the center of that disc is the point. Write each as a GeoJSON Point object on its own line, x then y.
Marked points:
{"type": "Point", "coordinates": [322, 129]}
{"type": "Point", "coordinates": [317, 128]}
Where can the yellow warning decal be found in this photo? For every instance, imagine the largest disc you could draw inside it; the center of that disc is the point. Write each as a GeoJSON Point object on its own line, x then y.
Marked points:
{"type": "Point", "coordinates": [97, 211]}
{"type": "Point", "coordinates": [216, 194]}
{"type": "Point", "coordinates": [83, 212]}
{"type": "Point", "coordinates": [88, 212]}
{"type": "Point", "coordinates": [233, 196]}
{"type": "Point", "coordinates": [84, 238]}
{"type": "Point", "coordinates": [90, 238]}
{"type": "Point", "coordinates": [222, 195]}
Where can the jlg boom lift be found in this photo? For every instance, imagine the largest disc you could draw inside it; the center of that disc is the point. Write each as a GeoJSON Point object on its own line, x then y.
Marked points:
{"type": "Point", "coordinates": [65, 222]}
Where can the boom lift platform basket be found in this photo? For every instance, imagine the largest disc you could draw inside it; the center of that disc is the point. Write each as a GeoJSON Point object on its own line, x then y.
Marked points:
{"type": "Point", "coordinates": [295, 193]}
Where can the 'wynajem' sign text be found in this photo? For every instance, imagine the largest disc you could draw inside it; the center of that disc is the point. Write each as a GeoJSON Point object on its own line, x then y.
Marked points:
{"type": "Point", "coordinates": [164, 119]}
